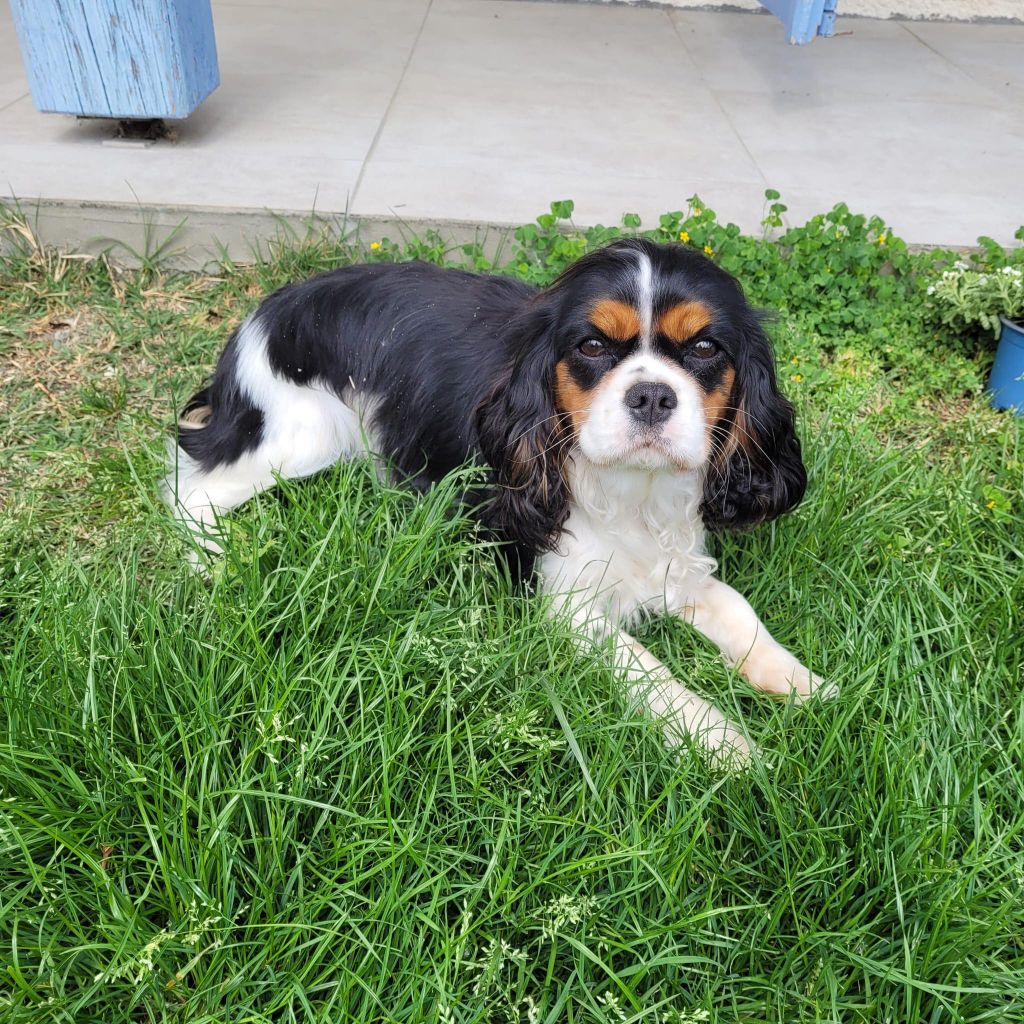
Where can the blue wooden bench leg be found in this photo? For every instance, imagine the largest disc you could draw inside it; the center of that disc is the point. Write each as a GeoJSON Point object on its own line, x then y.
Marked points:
{"type": "Point", "coordinates": [118, 58]}
{"type": "Point", "coordinates": [804, 20]}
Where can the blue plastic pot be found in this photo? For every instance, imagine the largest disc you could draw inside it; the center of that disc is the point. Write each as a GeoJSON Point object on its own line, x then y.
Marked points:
{"type": "Point", "coordinates": [1006, 382]}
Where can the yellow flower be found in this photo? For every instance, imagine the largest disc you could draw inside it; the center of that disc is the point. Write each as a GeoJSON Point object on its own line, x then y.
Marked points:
{"type": "Point", "coordinates": [881, 239]}
{"type": "Point", "coordinates": [375, 245]}
{"type": "Point", "coordinates": [797, 377]}
{"type": "Point", "coordinates": [696, 211]}
{"type": "Point", "coordinates": [708, 249]}
{"type": "Point", "coordinates": [684, 236]}
{"type": "Point", "coordinates": [795, 359]}
{"type": "Point", "coordinates": [991, 504]}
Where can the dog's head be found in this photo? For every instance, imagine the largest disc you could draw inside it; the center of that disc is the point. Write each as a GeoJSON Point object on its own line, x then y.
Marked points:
{"type": "Point", "coordinates": [645, 357]}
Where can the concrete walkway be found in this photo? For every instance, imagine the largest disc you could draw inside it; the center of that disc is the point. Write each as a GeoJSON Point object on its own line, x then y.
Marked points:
{"type": "Point", "coordinates": [482, 111]}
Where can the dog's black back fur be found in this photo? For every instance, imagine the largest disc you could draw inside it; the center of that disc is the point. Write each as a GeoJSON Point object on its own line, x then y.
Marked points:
{"type": "Point", "coordinates": [401, 332]}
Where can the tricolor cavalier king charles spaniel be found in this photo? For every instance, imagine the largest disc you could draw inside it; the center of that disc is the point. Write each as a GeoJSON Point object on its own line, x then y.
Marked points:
{"type": "Point", "coordinates": [621, 412]}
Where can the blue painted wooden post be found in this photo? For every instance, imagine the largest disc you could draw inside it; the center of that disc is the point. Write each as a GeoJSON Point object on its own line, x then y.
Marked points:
{"type": "Point", "coordinates": [804, 20]}
{"type": "Point", "coordinates": [118, 58]}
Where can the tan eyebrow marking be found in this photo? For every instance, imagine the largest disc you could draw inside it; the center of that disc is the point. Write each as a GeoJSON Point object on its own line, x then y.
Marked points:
{"type": "Point", "coordinates": [683, 320]}
{"type": "Point", "coordinates": [616, 320]}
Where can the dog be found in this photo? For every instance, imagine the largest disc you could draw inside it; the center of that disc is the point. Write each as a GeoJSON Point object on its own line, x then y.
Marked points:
{"type": "Point", "coordinates": [620, 413]}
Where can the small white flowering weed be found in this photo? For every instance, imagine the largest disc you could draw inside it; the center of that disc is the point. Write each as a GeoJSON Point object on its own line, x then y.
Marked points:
{"type": "Point", "coordinates": [563, 910]}
{"type": "Point", "coordinates": [200, 918]}
{"type": "Point", "coordinates": [491, 963]}
{"type": "Point", "coordinates": [963, 297]}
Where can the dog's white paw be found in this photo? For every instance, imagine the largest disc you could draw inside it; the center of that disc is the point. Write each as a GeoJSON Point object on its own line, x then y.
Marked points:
{"type": "Point", "coordinates": [732, 751]}
{"type": "Point", "coordinates": [806, 685]}
{"type": "Point", "coordinates": [725, 745]}
{"type": "Point", "coordinates": [822, 689]}
{"type": "Point", "coordinates": [772, 669]}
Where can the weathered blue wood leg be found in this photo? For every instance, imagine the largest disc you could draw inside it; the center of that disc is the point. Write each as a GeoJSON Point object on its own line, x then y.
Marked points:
{"type": "Point", "coordinates": [118, 58]}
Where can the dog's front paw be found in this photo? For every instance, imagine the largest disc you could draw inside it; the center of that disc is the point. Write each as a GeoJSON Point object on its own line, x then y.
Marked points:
{"type": "Point", "coordinates": [729, 748]}
{"type": "Point", "coordinates": [772, 669]}
{"type": "Point", "coordinates": [821, 689]}
{"type": "Point", "coordinates": [723, 742]}
{"type": "Point", "coordinates": [806, 685]}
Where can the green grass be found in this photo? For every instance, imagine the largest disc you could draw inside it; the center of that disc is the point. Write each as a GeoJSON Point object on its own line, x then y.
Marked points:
{"type": "Point", "coordinates": [355, 777]}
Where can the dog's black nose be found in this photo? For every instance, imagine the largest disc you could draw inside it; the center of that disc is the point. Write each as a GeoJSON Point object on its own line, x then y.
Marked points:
{"type": "Point", "coordinates": [650, 403]}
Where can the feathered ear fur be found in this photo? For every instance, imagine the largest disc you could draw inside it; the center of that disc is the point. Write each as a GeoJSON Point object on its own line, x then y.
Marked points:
{"type": "Point", "coordinates": [524, 440]}
{"type": "Point", "coordinates": [758, 474]}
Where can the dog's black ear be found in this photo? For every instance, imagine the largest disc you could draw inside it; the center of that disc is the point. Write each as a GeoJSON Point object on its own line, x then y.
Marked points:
{"type": "Point", "coordinates": [524, 441]}
{"type": "Point", "coordinates": [757, 472]}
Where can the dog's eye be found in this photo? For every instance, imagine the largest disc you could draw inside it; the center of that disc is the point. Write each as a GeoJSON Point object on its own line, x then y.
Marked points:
{"type": "Point", "coordinates": [705, 348]}
{"type": "Point", "coordinates": [592, 347]}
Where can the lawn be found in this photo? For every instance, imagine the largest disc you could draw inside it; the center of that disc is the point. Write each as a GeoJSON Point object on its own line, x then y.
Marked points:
{"type": "Point", "coordinates": [355, 776]}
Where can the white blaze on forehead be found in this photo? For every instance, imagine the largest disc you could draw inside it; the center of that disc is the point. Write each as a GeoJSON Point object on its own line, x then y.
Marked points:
{"type": "Point", "coordinates": [645, 298]}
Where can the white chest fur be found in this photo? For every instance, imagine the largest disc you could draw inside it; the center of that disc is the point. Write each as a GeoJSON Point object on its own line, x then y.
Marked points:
{"type": "Point", "coordinates": [634, 540]}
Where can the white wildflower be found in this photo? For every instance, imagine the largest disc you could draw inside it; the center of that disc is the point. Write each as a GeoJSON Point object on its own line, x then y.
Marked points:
{"type": "Point", "coordinates": [684, 1017]}
{"type": "Point", "coordinates": [199, 919]}
{"type": "Point", "coordinates": [565, 910]}
{"type": "Point", "coordinates": [532, 1010]}
{"type": "Point", "coordinates": [274, 733]}
{"type": "Point", "coordinates": [517, 728]}
{"type": "Point", "coordinates": [612, 1007]}
{"type": "Point", "coordinates": [143, 963]}
{"type": "Point", "coordinates": [496, 954]}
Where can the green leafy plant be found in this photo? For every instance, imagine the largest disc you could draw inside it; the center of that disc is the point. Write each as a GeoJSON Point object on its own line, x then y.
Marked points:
{"type": "Point", "coordinates": [962, 297]}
